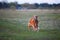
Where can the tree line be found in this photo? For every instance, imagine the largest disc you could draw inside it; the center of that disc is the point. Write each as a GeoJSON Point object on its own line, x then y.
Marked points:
{"type": "Point", "coordinates": [15, 5]}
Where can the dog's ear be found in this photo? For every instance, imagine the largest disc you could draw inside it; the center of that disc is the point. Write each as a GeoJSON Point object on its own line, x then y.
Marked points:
{"type": "Point", "coordinates": [35, 17]}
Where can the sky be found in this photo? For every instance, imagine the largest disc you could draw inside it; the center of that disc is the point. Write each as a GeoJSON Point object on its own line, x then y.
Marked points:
{"type": "Point", "coordinates": [34, 1]}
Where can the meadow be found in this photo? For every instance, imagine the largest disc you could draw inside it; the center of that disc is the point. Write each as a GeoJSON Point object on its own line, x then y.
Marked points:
{"type": "Point", "coordinates": [13, 24]}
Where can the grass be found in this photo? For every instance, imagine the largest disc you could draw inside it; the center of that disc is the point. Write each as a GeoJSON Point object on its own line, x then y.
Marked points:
{"type": "Point", "coordinates": [13, 25]}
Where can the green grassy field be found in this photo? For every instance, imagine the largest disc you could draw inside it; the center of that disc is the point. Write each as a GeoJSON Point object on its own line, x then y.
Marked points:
{"type": "Point", "coordinates": [13, 25]}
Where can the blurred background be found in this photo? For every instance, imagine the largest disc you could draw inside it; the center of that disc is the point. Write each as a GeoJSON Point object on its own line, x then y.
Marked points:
{"type": "Point", "coordinates": [30, 4]}
{"type": "Point", "coordinates": [15, 14]}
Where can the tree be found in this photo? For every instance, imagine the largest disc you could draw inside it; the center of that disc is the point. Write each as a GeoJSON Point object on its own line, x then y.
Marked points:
{"type": "Point", "coordinates": [0, 5]}
{"type": "Point", "coordinates": [13, 5]}
{"type": "Point", "coordinates": [36, 5]}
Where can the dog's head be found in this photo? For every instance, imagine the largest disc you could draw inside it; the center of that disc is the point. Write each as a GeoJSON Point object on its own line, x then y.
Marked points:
{"type": "Point", "coordinates": [35, 17]}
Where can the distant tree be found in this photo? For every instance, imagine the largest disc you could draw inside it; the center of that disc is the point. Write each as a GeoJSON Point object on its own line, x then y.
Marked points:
{"type": "Point", "coordinates": [4, 5]}
{"type": "Point", "coordinates": [0, 5]}
{"type": "Point", "coordinates": [54, 5]}
{"type": "Point", "coordinates": [18, 6]}
{"type": "Point", "coordinates": [25, 5]}
{"type": "Point", "coordinates": [13, 5]}
{"type": "Point", "coordinates": [44, 4]}
{"type": "Point", "coordinates": [36, 5]}
{"type": "Point", "coordinates": [58, 5]}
